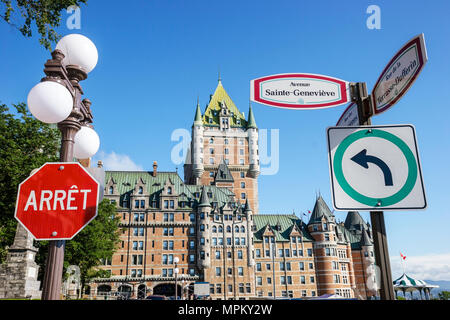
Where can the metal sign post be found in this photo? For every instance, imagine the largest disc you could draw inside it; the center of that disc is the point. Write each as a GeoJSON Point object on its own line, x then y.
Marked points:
{"type": "Point", "coordinates": [365, 111]}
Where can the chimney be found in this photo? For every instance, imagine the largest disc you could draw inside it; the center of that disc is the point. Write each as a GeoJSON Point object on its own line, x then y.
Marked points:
{"type": "Point", "coordinates": [155, 166]}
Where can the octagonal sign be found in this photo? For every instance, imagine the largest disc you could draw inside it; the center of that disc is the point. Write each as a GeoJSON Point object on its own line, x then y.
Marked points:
{"type": "Point", "coordinates": [57, 201]}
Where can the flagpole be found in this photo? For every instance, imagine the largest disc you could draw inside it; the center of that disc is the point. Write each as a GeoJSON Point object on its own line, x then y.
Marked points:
{"type": "Point", "coordinates": [401, 261]}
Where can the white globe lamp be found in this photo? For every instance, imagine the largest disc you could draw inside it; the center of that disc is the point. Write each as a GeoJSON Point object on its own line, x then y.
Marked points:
{"type": "Point", "coordinates": [50, 102]}
{"type": "Point", "coordinates": [78, 50]}
{"type": "Point", "coordinates": [86, 144]}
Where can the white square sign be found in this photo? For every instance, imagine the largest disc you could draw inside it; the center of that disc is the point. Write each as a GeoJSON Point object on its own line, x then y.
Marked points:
{"type": "Point", "coordinates": [375, 168]}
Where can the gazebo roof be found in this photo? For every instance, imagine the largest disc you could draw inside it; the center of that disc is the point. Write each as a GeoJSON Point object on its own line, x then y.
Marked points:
{"type": "Point", "coordinates": [407, 283]}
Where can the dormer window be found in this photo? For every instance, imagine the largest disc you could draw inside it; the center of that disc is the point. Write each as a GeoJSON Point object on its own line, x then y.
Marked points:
{"type": "Point", "coordinates": [141, 190]}
{"type": "Point", "coordinates": [325, 226]}
{"type": "Point", "coordinates": [125, 201]}
{"type": "Point", "coordinates": [169, 190]}
{"type": "Point", "coordinates": [111, 190]}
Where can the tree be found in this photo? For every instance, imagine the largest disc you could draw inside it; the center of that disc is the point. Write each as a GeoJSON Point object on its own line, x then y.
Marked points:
{"type": "Point", "coordinates": [46, 15]}
{"type": "Point", "coordinates": [25, 144]}
{"type": "Point", "coordinates": [444, 295]}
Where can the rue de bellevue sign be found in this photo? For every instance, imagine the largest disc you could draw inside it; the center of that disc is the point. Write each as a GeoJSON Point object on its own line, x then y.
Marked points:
{"type": "Point", "coordinates": [299, 91]}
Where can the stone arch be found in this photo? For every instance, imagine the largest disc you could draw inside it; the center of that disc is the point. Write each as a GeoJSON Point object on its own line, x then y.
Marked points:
{"type": "Point", "coordinates": [167, 289]}
{"type": "Point", "coordinates": [103, 289]}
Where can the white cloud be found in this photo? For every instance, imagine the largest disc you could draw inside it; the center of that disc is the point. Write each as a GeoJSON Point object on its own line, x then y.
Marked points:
{"type": "Point", "coordinates": [117, 162]}
{"type": "Point", "coordinates": [428, 267]}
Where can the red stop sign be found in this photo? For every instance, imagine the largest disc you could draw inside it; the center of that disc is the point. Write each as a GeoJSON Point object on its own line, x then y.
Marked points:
{"type": "Point", "coordinates": [57, 201]}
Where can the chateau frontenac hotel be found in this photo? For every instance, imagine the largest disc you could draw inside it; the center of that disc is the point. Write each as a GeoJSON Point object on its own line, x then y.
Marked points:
{"type": "Point", "coordinates": [210, 222]}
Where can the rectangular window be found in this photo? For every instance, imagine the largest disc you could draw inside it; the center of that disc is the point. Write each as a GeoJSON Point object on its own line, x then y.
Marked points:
{"type": "Point", "coordinates": [259, 281]}
{"type": "Point", "coordinates": [302, 280]}
{"type": "Point", "coordinates": [218, 271]}
{"type": "Point", "coordinates": [240, 271]}
{"type": "Point", "coordinates": [142, 203]}
{"type": "Point", "coordinates": [258, 253]}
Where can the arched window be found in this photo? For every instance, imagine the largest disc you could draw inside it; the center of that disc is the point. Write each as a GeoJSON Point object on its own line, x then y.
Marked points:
{"type": "Point", "coordinates": [220, 229]}
{"type": "Point", "coordinates": [242, 229]}
{"type": "Point", "coordinates": [169, 190]}
{"type": "Point", "coordinates": [211, 140]}
{"type": "Point", "coordinates": [228, 229]}
{"type": "Point", "coordinates": [214, 229]}
{"type": "Point", "coordinates": [236, 229]}
{"type": "Point", "coordinates": [111, 190]}
{"type": "Point", "coordinates": [141, 190]}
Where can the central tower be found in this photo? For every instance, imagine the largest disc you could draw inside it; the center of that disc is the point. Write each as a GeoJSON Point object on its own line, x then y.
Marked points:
{"type": "Point", "coordinates": [224, 149]}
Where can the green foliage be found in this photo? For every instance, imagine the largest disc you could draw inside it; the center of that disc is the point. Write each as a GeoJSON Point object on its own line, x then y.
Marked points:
{"type": "Point", "coordinates": [46, 14]}
{"type": "Point", "coordinates": [444, 295]}
{"type": "Point", "coordinates": [401, 298]}
{"type": "Point", "coordinates": [25, 144]}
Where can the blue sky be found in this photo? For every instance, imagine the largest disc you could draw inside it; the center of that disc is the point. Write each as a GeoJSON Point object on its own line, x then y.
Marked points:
{"type": "Point", "coordinates": [156, 57]}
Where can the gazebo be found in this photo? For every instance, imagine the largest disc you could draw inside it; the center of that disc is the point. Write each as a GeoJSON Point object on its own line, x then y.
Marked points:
{"type": "Point", "coordinates": [407, 284]}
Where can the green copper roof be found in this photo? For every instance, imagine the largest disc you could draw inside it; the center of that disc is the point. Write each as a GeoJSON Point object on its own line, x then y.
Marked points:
{"type": "Point", "coordinates": [286, 223]}
{"type": "Point", "coordinates": [211, 115]}
{"type": "Point", "coordinates": [198, 115]}
{"type": "Point", "coordinates": [251, 119]}
{"type": "Point", "coordinates": [355, 241]}
{"type": "Point", "coordinates": [126, 181]}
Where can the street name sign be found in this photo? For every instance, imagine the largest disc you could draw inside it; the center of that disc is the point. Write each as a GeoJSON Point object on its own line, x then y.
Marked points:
{"type": "Point", "coordinates": [375, 168]}
{"type": "Point", "coordinates": [57, 201]}
{"type": "Point", "coordinates": [299, 91]}
{"type": "Point", "coordinates": [399, 74]}
{"type": "Point", "coordinates": [349, 117]}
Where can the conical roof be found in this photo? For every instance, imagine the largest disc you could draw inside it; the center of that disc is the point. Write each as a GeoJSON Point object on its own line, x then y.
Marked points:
{"type": "Point", "coordinates": [247, 206]}
{"type": "Point", "coordinates": [204, 202]}
{"type": "Point", "coordinates": [320, 210]}
{"type": "Point", "coordinates": [365, 240]}
{"type": "Point", "coordinates": [198, 115]}
{"type": "Point", "coordinates": [352, 220]}
{"type": "Point", "coordinates": [251, 123]}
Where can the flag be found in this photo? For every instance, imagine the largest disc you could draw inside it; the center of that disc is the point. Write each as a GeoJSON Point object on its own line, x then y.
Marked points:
{"type": "Point", "coordinates": [403, 257]}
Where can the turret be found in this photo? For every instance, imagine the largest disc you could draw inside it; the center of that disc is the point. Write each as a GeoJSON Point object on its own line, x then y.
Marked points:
{"type": "Point", "coordinates": [197, 143]}
{"type": "Point", "coordinates": [249, 214]}
{"type": "Point", "coordinates": [253, 152]}
{"type": "Point", "coordinates": [203, 227]}
{"type": "Point", "coordinates": [368, 262]}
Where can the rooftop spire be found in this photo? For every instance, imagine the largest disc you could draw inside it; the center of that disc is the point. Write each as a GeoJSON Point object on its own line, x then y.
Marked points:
{"type": "Point", "coordinates": [251, 123]}
{"type": "Point", "coordinates": [204, 202]}
{"type": "Point", "coordinates": [198, 114]}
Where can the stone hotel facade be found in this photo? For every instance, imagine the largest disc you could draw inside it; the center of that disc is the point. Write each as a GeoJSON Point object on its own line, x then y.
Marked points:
{"type": "Point", "coordinates": [210, 222]}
